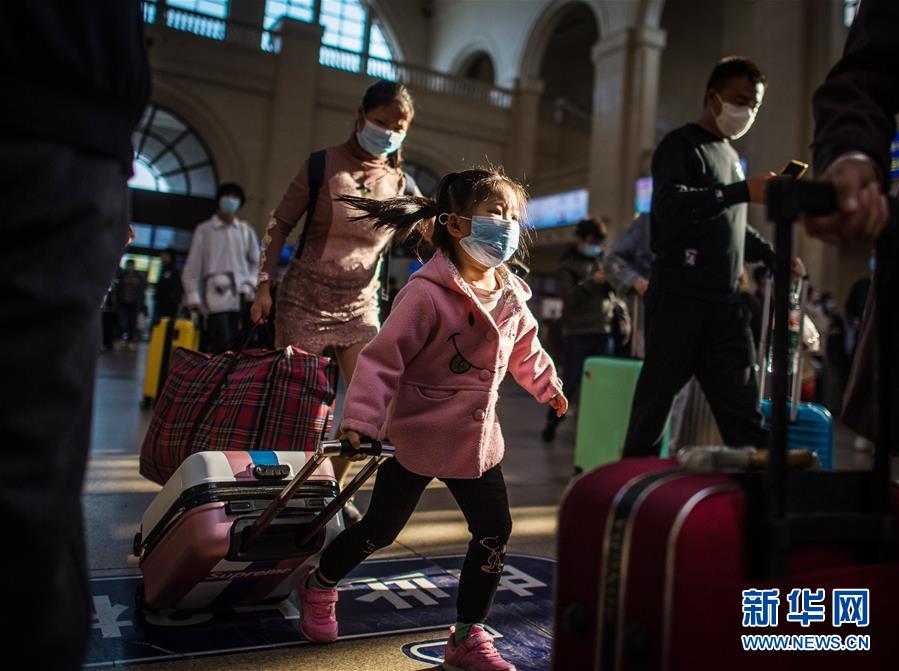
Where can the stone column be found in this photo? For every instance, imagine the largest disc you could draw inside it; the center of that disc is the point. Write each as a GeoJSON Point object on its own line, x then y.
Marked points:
{"type": "Point", "coordinates": [521, 153]}
{"type": "Point", "coordinates": [627, 67]}
{"type": "Point", "coordinates": [292, 114]}
{"type": "Point", "coordinates": [245, 19]}
{"type": "Point", "coordinates": [249, 12]}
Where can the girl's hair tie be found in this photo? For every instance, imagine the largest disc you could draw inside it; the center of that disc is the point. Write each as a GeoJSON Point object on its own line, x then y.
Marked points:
{"type": "Point", "coordinates": [443, 218]}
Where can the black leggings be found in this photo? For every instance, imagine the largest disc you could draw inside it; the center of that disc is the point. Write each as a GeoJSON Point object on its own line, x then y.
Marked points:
{"type": "Point", "coordinates": [484, 503]}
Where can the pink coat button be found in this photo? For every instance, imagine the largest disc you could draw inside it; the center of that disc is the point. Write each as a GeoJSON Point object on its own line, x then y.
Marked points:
{"type": "Point", "coordinates": [479, 414]}
{"type": "Point", "coordinates": [485, 375]}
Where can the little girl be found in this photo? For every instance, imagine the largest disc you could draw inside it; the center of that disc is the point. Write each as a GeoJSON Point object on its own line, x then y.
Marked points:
{"type": "Point", "coordinates": [429, 382]}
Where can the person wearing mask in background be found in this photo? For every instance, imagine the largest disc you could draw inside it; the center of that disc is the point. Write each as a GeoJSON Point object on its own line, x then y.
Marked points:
{"type": "Point", "coordinates": [329, 296]}
{"type": "Point", "coordinates": [695, 322]}
{"type": "Point", "coordinates": [129, 302]}
{"type": "Point", "coordinates": [221, 269]}
{"type": "Point", "coordinates": [76, 81]}
{"type": "Point", "coordinates": [168, 288]}
{"type": "Point", "coordinates": [586, 307]}
{"type": "Point", "coordinates": [627, 265]}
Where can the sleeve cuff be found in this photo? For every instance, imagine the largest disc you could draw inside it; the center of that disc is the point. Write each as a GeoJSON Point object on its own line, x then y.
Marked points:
{"type": "Point", "coordinates": [553, 388]}
{"type": "Point", "coordinates": [362, 428]}
{"type": "Point", "coordinates": [735, 193]}
{"type": "Point", "coordinates": [192, 298]}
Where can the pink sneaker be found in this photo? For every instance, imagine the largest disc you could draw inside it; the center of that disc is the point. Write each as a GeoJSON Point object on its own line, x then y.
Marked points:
{"type": "Point", "coordinates": [475, 653]}
{"type": "Point", "coordinates": [318, 622]}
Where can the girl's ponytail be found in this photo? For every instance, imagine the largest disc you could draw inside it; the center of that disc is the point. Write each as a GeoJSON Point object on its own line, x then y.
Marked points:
{"type": "Point", "coordinates": [403, 214]}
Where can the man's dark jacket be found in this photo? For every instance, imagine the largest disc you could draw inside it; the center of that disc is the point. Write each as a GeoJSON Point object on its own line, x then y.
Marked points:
{"type": "Point", "coordinates": [855, 111]}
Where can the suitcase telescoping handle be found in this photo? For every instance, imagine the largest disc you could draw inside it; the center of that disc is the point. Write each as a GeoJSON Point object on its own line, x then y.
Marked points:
{"type": "Point", "coordinates": [787, 200]}
{"type": "Point", "coordinates": [379, 453]}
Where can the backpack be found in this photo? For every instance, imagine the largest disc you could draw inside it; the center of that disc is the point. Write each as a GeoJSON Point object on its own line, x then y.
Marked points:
{"type": "Point", "coordinates": [316, 180]}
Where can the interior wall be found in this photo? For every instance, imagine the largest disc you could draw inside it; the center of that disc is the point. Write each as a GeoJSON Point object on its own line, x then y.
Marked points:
{"type": "Point", "coordinates": [693, 46]}
{"type": "Point", "coordinates": [492, 23]}
{"type": "Point", "coordinates": [227, 92]}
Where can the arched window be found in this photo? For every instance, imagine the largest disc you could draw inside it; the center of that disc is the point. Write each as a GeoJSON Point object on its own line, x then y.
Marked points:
{"type": "Point", "coordinates": [170, 157]}
{"type": "Point", "coordinates": [479, 67]}
{"type": "Point", "coordinates": [352, 35]}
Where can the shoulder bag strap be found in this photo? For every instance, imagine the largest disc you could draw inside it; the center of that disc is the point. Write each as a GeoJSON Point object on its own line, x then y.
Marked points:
{"type": "Point", "coordinates": [316, 180]}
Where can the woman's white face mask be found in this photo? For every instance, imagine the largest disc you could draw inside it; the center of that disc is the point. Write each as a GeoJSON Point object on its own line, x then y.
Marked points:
{"type": "Point", "coordinates": [734, 121]}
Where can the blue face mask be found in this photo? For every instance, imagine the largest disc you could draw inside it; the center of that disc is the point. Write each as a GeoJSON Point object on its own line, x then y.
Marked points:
{"type": "Point", "coordinates": [492, 240]}
{"type": "Point", "coordinates": [229, 204]}
{"type": "Point", "coordinates": [379, 141]}
{"type": "Point", "coordinates": [593, 251]}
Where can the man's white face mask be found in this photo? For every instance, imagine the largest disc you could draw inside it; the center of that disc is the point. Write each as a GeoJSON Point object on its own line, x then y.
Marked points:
{"type": "Point", "coordinates": [734, 121]}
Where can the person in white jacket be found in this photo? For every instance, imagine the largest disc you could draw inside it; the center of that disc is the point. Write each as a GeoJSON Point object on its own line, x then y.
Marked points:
{"type": "Point", "coordinates": [221, 268]}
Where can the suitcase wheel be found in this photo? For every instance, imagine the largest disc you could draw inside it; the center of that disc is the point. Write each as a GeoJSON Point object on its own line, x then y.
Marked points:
{"type": "Point", "coordinates": [138, 539]}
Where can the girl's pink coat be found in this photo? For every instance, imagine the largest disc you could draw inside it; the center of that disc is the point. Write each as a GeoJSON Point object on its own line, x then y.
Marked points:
{"type": "Point", "coordinates": [411, 383]}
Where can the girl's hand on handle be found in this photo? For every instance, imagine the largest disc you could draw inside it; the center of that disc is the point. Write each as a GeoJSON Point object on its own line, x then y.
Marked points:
{"type": "Point", "coordinates": [355, 440]}
{"type": "Point", "coordinates": [262, 306]}
{"type": "Point", "coordinates": [559, 403]}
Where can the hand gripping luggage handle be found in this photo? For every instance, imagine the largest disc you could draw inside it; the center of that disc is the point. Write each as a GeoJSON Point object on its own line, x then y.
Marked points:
{"type": "Point", "coordinates": [379, 453]}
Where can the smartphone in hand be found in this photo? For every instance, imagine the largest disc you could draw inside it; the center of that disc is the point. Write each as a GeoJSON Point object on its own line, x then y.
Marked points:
{"type": "Point", "coordinates": [795, 169]}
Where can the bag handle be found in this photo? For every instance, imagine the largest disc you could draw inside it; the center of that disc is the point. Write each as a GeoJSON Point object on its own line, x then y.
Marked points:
{"type": "Point", "coordinates": [379, 453]}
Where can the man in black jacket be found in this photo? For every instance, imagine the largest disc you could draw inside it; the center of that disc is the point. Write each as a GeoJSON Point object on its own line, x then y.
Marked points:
{"type": "Point", "coordinates": [855, 112]}
{"type": "Point", "coordinates": [75, 79]}
{"type": "Point", "coordinates": [695, 323]}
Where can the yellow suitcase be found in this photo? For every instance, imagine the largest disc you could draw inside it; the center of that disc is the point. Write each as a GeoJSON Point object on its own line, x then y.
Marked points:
{"type": "Point", "coordinates": [167, 335]}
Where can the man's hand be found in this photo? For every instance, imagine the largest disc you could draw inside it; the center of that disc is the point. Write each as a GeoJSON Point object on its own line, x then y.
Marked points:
{"type": "Point", "coordinates": [641, 285]}
{"type": "Point", "coordinates": [862, 209]}
{"type": "Point", "coordinates": [758, 187]}
{"type": "Point", "coordinates": [559, 403]}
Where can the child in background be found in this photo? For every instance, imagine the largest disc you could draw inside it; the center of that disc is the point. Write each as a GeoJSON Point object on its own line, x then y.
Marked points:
{"type": "Point", "coordinates": [429, 383]}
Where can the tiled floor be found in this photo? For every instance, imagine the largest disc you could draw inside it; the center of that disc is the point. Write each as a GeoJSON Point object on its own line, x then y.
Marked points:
{"type": "Point", "coordinates": [115, 497]}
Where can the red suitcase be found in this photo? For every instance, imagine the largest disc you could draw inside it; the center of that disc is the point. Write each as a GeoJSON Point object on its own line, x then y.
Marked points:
{"type": "Point", "coordinates": [660, 568]}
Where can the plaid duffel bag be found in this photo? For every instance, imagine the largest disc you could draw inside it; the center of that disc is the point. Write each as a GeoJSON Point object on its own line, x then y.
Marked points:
{"type": "Point", "coordinates": [254, 400]}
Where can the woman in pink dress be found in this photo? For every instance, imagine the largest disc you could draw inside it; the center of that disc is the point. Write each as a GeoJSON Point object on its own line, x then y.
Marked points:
{"type": "Point", "coordinates": [329, 296]}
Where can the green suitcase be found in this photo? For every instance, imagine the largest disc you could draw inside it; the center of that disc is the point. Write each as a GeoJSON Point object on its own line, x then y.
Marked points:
{"type": "Point", "coordinates": [607, 391]}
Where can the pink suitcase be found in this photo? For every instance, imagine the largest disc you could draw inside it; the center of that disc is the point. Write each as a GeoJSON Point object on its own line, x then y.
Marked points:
{"type": "Point", "coordinates": [235, 528]}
